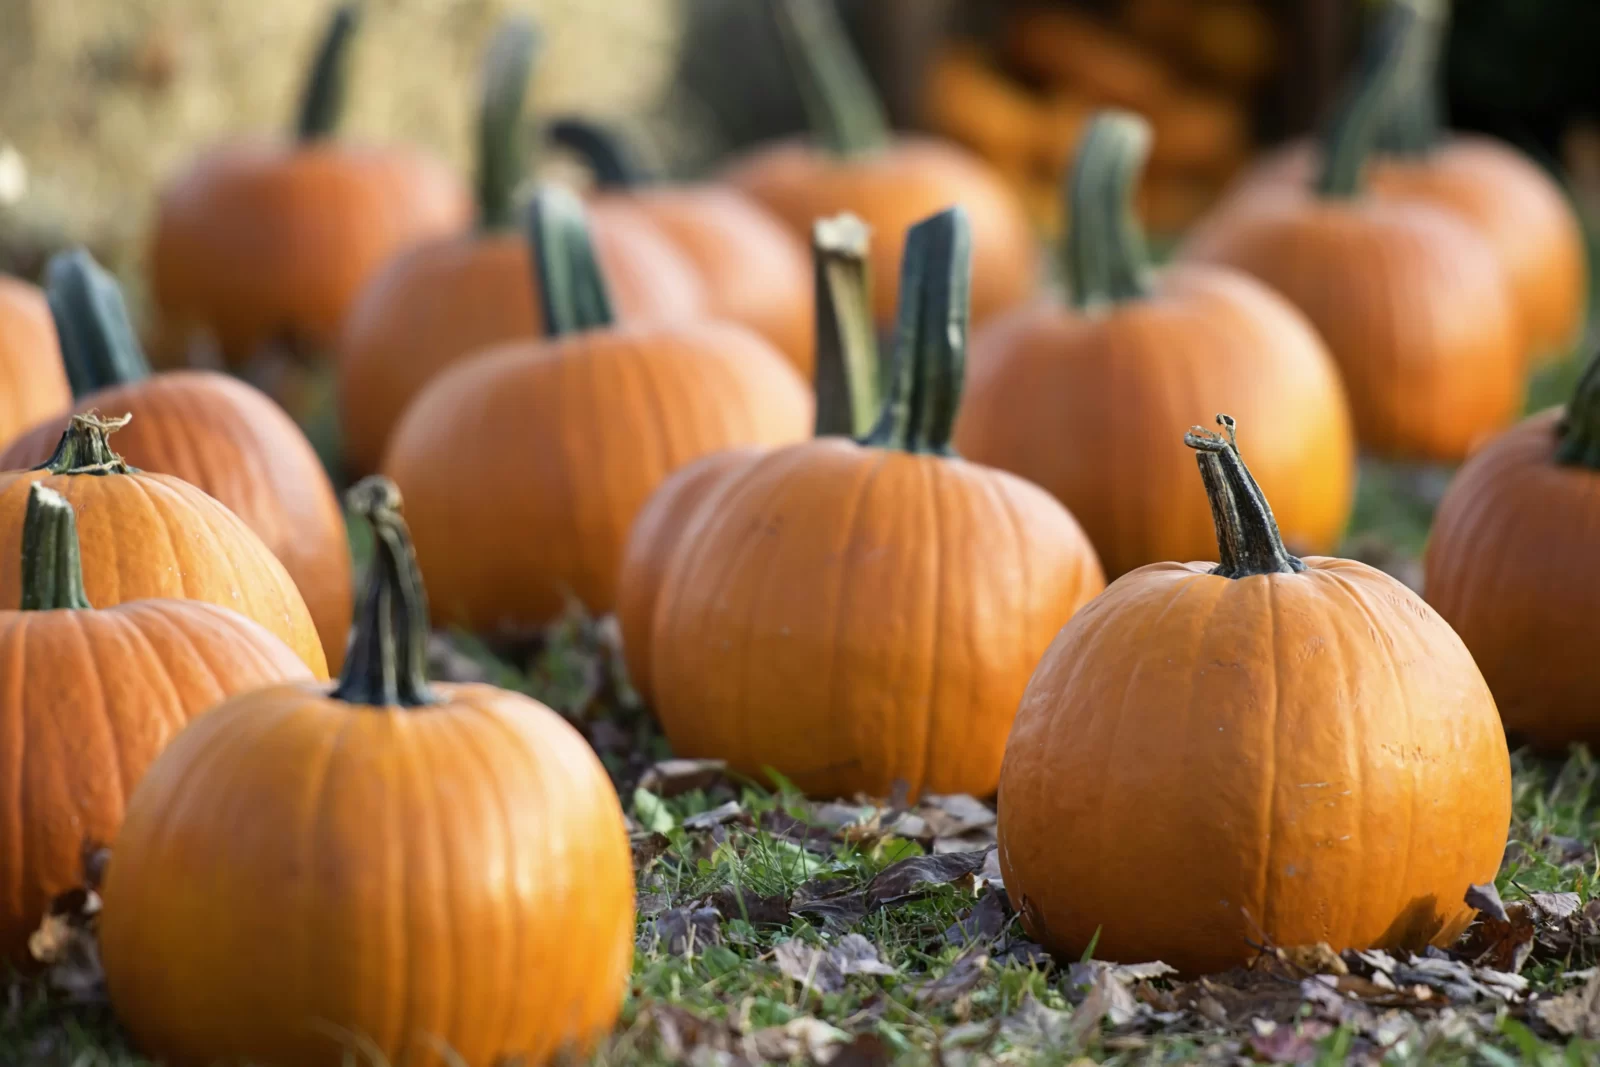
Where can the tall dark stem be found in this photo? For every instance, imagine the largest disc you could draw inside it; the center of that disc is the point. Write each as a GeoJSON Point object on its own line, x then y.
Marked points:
{"type": "Point", "coordinates": [1354, 130]}
{"type": "Point", "coordinates": [842, 106]}
{"type": "Point", "coordinates": [1248, 542]}
{"type": "Point", "coordinates": [1578, 433]}
{"type": "Point", "coordinates": [322, 99]}
{"type": "Point", "coordinates": [604, 151]}
{"type": "Point", "coordinates": [98, 345]}
{"type": "Point", "coordinates": [930, 350]}
{"type": "Point", "coordinates": [1104, 254]}
{"type": "Point", "coordinates": [502, 143]}
{"type": "Point", "coordinates": [83, 448]}
{"type": "Point", "coordinates": [846, 372]}
{"type": "Point", "coordinates": [52, 570]}
{"type": "Point", "coordinates": [572, 290]}
{"type": "Point", "coordinates": [1414, 122]}
{"type": "Point", "coordinates": [388, 660]}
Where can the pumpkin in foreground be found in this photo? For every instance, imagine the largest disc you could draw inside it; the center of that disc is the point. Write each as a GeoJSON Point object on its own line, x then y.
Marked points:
{"type": "Point", "coordinates": [445, 870]}
{"type": "Point", "coordinates": [1084, 399]}
{"type": "Point", "coordinates": [88, 699]}
{"type": "Point", "coordinates": [1210, 755]}
{"type": "Point", "coordinates": [32, 381]}
{"type": "Point", "coordinates": [853, 614]}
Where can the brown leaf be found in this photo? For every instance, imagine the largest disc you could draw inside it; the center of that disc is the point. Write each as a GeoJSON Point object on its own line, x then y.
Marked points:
{"type": "Point", "coordinates": [681, 931]}
{"type": "Point", "coordinates": [736, 903]}
{"type": "Point", "coordinates": [866, 1050]}
{"type": "Point", "coordinates": [1504, 941]}
{"type": "Point", "coordinates": [721, 815]}
{"type": "Point", "coordinates": [962, 975]}
{"type": "Point", "coordinates": [1312, 959]}
{"type": "Point", "coordinates": [673, 777]}
{"type": "Point", "coordinates": [985, 922]}
{"type": "Point", "coordinates": [817, 839]}
{"type": "Point", "coordinates": [912, 877]}
{"type": "Point", "coordinates": [1275, 1042]}
{"type": "Point", "coordinates": [647, 848]}
{"type": "Point", "coordinates": [833, 901]}
{"type": "Point", "coordinates": [806, 1039]}
{"type": "Point", "coordinates": [1575, 1013]}
{"type": "Point", "coordinates": [825, 970]}
{"type": "Point", "coordinates": [1486, 898]}
{"type": "Point", "coordinates": [65, 944]}
{"type": "Point", "coordinates": [1108, 1001]}
{"type": "Point", "coordinates": [1034, 1026]}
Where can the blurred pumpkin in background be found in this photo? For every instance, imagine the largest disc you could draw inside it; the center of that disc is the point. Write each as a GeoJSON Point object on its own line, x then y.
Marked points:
{"type": "Point", "coordinates": [33, 382]}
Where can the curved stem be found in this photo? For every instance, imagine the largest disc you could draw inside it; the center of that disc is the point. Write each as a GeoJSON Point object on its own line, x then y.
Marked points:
{"type": "Point", "coordinates": [1350, 138]}
{"type": "Point", "coordinates": [502, 145]}
{"type": "Point", "coordinates": [1104, 254]}
{"type": "Point", "coordinates": [52, 570]}
{"type": "Point", "coordinates": [604, 151]}
{"type": "Point", "coordinates": [1414, 123]}
{"type": "Point", "coordinates": [98, 345]}
{"type": "Point", "coordinates": [847, 340]}
{"type": "Point", "coordinates": [388, 659]}
{"type": "Point", "coordinates": [322, 99]}
{"type": "Point", "coordinates": [572, 291]}
{"type": "Point", "coordinates": [1248, 542]}
{"type": "Point", "coordinates": [1578, 433]}
{"type": "Point", "coordinates": [841, 103]}
{"type": "Point", "coordinates": [930, 349]}
{"type": "Point", "coordinates": [83, 448]}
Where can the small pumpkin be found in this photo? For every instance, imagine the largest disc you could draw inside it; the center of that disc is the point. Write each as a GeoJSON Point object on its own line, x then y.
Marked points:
{"type": "Point", "coordinates": [262, 241]}
{"type": "Point", "coordinates": [526, 464]}
{"type": "Point", "coordinates": [856, 614]}
{"type": "Point", "coordinates": [853, 163]}
{"type": "Point", "coordinates": [447, 299]}
{"type": "Point", "coordinates": [209, 429]}
{"type": "Point", "coordinates": [1210, 755]}
{"type": "Point", "coordinates": [32, 381]}
{"type": "Point", "coordinates": [1083, 399]}
{"type": "Point", "coordinates": [445, 877]}
{"type": "Point", "coordinates": [154, 536]}
{"type": "Point", "coordinates": [1066, 47]}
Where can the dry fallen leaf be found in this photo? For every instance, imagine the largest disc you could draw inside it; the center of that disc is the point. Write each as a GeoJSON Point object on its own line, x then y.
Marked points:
{"type": "Point", "coordinates": [721, 815]}
{"type": "Point", "coordinates": [673, 777]}
{"type": "Point", "coordinates": [1575, 1013]}
{"type": "Point", "coordinates": [682, 931]}
{"type": "Point", "coordinates": [985, 922]}
{"type": "Point", "coordinates": [825, 970]}
{"type": "Point", "coordinates": [963, 974]}
{"type": "Point", "coordinates": [912, 877]}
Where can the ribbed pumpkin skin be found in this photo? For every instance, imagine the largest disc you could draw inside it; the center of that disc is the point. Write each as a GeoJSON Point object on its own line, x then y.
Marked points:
{"type": "Point", "coordinates": [448, 300]}
{"type": "Point", "coordinates": [260, 240]}
{"type": "Point", "coordinates": [1093, 409]}
{"type": "Point", "coordinates": [1506, 566]}
{"type": "Point", "coordinates": [87, 701]}
{"type": "Point", "coordinates": [458, 872]}
{"type": "Point", "coordinates": [230, 440]}
{"type": "Point", "coordinates": [1199, 760]}
{"type": "Point", "coordinates": [524, 467]}
{"type": "Point", "coordinates": [33, 384]}
{"type": "Point", "coordinates": [852, 616]}
{"type": "Point", "coordinates": [890, 191]}
{"type": "Point", "coordinates": [155, 536]}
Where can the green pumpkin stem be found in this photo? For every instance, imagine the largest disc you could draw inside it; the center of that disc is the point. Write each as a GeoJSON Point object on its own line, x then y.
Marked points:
{"type": "Point", "coordinates": [930, 349]}
{"type": "Point", "coordinates": [1578, 432]}
{"type": "Point", "coordinates": [841, 104]}
{"type": "Point", "coordinates": [322, 100]}
{"type": "Point", "coordinates": [1248, 542]}
{"type": "Point", "coordinates": [1414, 123]}
{"type": "Point", "coordinates": [52, 569]}
{"type": "Point", "coordinates": [1105, 259]}
{"type": "Point", "coordinates": [572, 290]}
{"type": "Point", "coordinates": [84, 448]}
{"type": "Point", "coordinates": [502, 142]}
{"type": "Point", "coordinates": [604, 151]}
{"type": "Point", "coordinates": [847, 374]}
{"type": "Point", "coordinates": [1385, 61]}
{"type": "Point", "coordinates": [387, 665]}
{"type": "Point", "coordinates": [98, 345]}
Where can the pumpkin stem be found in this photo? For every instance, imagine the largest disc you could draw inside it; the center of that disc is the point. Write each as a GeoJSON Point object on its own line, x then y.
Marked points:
{"type": "Point", "coordinates": [98, 345]}
{"type": "Point", "coordinates": [930, 349]}
{"type": "Point", "coordinates": [1414, 123]}
{"type": "Point", "coordinates": [1104, 255]}
{"type": "Point", "coordinates": [847, 340]}
{"type": "Point", "coordinates": [1248, 541]}
{"type": "Point", "coordinates": [52, 569]}
{"type": "Point", "coordinates": [83, 448]}
{"type": "Point", "coordinates": [842, 106]}
{"type": "Point", "coordinates": [572, 291]}
{"type": "Point", "coordinates": [604, 151]}
{"type": "Point", "coordinates": [502, 144]}
{"type": "Point", "coordinates": [1578, 433]}
{"type": "Point", "coordinates": [1353, 133]}
{"type": "Point", "coordinates": [388, 660]}
{"type": "Point", "coordinates": [322, 100]}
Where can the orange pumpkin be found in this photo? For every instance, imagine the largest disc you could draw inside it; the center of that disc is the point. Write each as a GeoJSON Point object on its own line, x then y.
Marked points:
{"type": "Point", "coordinates": [450, 298]}
{"type": "Point", "coordinates": [855, 164]}
{"type": "Point", "coordinates": [1083, 399]}
{"type": "Point", "coordinates": [32, 382]}
{"type": "Point", "coordinates": [1062, 47]}
{"type": "Point", "coordinates": [261, 241]}
{"type": "Point", "coordinates": [444, 878]}
{"type": "Point", "coordinates": [526, 464]}
{"type": "Point", "coordinates": [211, 430]}
{"type": "Point", "coordinates": [1269, 748]}
{"type": "Point", "coordinates": [153, 535]}
{"type": "Point", "coordinates": [856, 614]}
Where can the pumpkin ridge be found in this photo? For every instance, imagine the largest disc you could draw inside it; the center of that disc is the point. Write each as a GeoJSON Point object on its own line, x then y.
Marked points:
{"type": "Point", "coordinates": [931, 717]}
{"type": "Point", "coordinates": [90, 653]}
{"type": "Point", "coordinates": [1269, 765]}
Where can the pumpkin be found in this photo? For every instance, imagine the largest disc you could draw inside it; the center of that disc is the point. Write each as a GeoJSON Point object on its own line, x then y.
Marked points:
{"type": "Point", "coordinates": [846, 384]}
{"type": "Point", "coordinates": [263, 241]}
{"type": "Point", "coordinates": [1500, 567]}
{"type": "Point", "coordinates": [1425, 384]}
{"type": "Point", "coordinates": [853, 163]}
{"type": "Point", "coordinates": [209, 429]}
{"type": "Point", "coordinates": [445, 877]}
{"type": "Point", "coordinates": [154, 536]}
{"type": "Point", "coordinates": [449, 298]}
{"type": "Point", "coordinates": [1060, 46]}
{"type": "Point", "coordinates": [1083, 398]}
{"type": "Point", "coordinates": [857, 614]}
{"type": "Point", "coordinates": [967, 98]}
{"type": "Point", "coordinates": [87, 700]}
{"type": "Point", "coordinates": [1265, 750]}
{"type": "Point", "coordinates": [526, 464]}
{"type": "Point", "coordinates": [32, 381]}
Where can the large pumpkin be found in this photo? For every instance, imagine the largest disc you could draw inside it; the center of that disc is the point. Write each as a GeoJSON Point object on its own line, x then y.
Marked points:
{"type": "Point", "coordinates": [1083, 398]}
{"type": "Point", "coordinates": [429, 874]}
{"type": "Point", "coordinates": [1266, 749]}
{"type": "Point", "coordinates": [259, 241]}
{"type": "Point", "coordinates": [212, 430]}
{"type": "Point", "coordinates": [153, 535]}
{"type": "Point", "coordinates": [856, 614]}
{"type": "Point", "coordinates": [32, 381]}
{"type": "Point", "coordinates": [854, 163]}
{"type": "Point", "coordinates": [526, 464]}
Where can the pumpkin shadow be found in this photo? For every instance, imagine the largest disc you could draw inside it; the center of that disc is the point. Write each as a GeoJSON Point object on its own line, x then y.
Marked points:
{"type": "Point", "coordinates": [1418, 925]}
